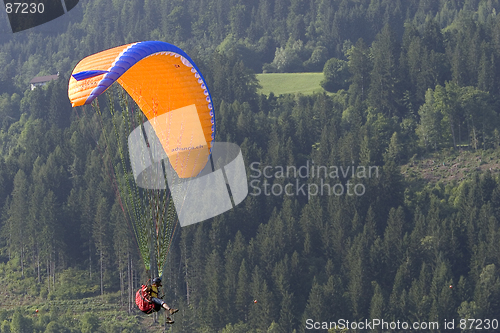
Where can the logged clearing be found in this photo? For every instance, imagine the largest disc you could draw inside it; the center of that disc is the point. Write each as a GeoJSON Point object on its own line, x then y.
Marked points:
{"type": "Point", "coordinates": [290, 83]}
{"type": "Point", "coordinates": [452, 166]}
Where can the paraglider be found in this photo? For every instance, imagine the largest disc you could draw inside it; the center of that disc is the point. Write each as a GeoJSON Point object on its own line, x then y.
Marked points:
{"type": "Point", "coordinates": [148, 302]}
{"type": "Point", "coordinates": [173, 134]}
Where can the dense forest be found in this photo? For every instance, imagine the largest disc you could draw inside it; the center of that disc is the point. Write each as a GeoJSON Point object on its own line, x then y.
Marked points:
{"type": "Point", "coordinates": [404, 80]}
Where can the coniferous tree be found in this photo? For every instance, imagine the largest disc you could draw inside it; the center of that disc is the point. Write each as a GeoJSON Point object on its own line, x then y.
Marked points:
{"type": "Point", "coordinates": [383, 93]}
{"type": "Point", "coordinates": [18, 217]}
{"type": "Point", "coordinates": [243, 297]}
{"type": "Point", "coordinates": [315, 302]}
{"type": "Point", "coordinates": [50, 238]}
{"type": "Point", "coordinates": [360, 67]}
{"type": "Point", "coordinates": [487, 291]}
{"type": "Point", "coordinates": [262, 312]}
{"type": "Point", "coordinates": [356, 265]}
{"type": "Point", "coordinates": [122, 246]}
{"type": "Point", "coordinates": [213, 303]}
{"type": "Point", "coordinates": [101, 236]}
{"type": "Point", "coordinates": [377, 304]}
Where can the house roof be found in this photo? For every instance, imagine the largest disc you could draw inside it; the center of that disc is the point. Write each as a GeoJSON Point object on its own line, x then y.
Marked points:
{"type": "Point", "coordinates": [42, 79]}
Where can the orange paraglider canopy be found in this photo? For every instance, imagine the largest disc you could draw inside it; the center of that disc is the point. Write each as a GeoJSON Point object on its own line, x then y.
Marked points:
{"type": "Point", "coordinates": [168, 88]}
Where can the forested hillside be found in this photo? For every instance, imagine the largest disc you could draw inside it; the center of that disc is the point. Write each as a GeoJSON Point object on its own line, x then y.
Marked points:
{"type": "Point", "coordinates": [412, 84]}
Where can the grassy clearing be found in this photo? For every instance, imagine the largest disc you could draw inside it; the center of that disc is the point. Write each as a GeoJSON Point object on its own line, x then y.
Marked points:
{"type": "Point", "coordinates": [66, 309]}
{"type": "Point", "coordinates": [290, 83]}
{"type": "Point", "coordinates": [111, 316]}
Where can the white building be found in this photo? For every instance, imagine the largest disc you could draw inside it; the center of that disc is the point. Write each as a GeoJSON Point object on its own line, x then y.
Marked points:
{"type": "Point", "coordinates": [42, 80]}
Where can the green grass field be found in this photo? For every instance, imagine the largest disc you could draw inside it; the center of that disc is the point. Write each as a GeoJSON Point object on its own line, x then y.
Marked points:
{"type": "Point", "coordinates": [290, 83]}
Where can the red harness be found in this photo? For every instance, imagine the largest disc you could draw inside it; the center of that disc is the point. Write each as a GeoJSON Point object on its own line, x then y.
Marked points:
{"type": "Point", "coordinates": [142, 299]}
